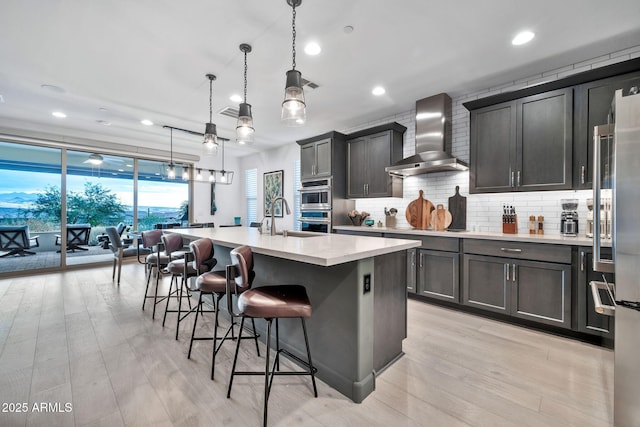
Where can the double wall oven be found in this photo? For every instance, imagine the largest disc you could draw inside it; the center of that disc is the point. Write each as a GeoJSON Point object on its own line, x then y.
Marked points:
{"type": "Point", "coordinates": [316, 205]}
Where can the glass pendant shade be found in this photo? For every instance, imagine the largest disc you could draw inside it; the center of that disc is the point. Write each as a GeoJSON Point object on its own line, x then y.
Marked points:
{"type": "Point", "coordinates": [212, 176]}
{"type": "Point", "coordinates": [171, 173]}
{"type": "Point", "coordinates": [185, 173]}
{"type": "Point", "coordinates": [226, 177]}
{"type": "Point", "coordinates": [293, 106]}
{"type": "Point", "coordinates": [244, 128]}
{"type": "Point", "coordinates": [211, 137]}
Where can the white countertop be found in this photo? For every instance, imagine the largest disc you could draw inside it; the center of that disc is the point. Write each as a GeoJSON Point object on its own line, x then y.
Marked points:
{"type": "Point", "coordinates": [557, 239]}
{"type": "Point", "coordinates": [321, 249]}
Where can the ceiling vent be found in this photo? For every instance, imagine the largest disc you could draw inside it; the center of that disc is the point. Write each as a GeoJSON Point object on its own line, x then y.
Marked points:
{"type": "Point", "coordinates": [229, 112]}
{"type": "Point", "coordinates": [309, 84]}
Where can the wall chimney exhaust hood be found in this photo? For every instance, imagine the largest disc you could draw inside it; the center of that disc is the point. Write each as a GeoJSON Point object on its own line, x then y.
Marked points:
{"type": "Point", "coordinates": [433, 140]}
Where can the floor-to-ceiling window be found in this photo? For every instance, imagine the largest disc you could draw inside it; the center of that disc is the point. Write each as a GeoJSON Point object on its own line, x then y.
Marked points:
{"type": "Point", "coordinates": [30, 182]}
{"type": "Point", "coordinates": [161, 201]}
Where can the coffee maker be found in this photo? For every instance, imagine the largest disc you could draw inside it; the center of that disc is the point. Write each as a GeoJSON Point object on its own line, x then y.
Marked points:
{"type": "Point", "coordinates": [569, 217]}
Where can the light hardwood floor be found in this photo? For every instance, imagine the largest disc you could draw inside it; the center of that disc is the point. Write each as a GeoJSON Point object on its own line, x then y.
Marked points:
{"type": "Point", "coordinates": [76, 337]}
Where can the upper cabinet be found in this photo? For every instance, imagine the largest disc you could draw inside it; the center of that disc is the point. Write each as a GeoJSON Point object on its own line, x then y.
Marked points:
{"type": "Point", "coordinates": [322, 156]}
{"type": "Point", "coordinates": [369, 152]}
{"type": "Point", "coordinates": [592, 106]}
{"type": "Point", "coordinates": [523, 145]}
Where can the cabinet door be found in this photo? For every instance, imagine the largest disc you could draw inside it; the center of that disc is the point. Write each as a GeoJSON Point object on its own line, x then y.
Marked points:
{"type": "Point", "coordinates": [323, 158]}
{"type": "Point", "coordinates": [541, 292]}
{"type": "Point", "coordinates": [357, 167]}
{"type": "Point", "coordinates": [588, 320]}
{"type": "Point", "coordinates": [493, 136]}
{"type": "Point", "coordinates": [484, 283]}
{"type": "Point", "coordinates": [438, 275]}
{"type": "Point", "coordinates": [544, 141]}
{"type": "Point", "coordinates": [307, 160]}
{"type": "Point", "coordinates": [593, 104]}
{"type": "Point", "coordinates": [378, 158]}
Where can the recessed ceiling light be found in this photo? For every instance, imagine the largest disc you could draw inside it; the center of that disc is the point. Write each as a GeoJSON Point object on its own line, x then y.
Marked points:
{"type": "Point", "coordinates": [348, 29]}
{"type": "Point", "coordinates": [52, 88]}
{"type": "Point", "coordinates": [312, 48]}
{"type": "Point", "coordinates": [146, 122]}
{"type": "Point", "coordinates": [104, 122]}
{"type": "Point", "coordinates": [59, 114]}
{"type": "Point", "coordinates": [102, 109]}
{"type": "Point", "coordinates": [236, 98]}
{"type": "Point", "coordinates": [378, 90]}
{"type": "Point", "coordinates": [522, 38]}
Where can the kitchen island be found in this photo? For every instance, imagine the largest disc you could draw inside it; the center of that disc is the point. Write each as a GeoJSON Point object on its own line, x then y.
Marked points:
{"type": "Point", "coordinates": [356, 284]}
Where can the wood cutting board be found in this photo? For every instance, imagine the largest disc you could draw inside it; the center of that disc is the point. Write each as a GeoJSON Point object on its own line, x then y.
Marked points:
{"type": "Point", "coordinates": [418, 212]}
{"type": "Point", "coordinates": [440, 218]}
{"type": "Point", "coordinates": [458, 209]}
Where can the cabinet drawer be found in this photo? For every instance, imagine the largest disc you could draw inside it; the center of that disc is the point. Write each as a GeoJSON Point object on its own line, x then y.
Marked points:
{"type": "Point", "coordinates": [519, 250]}
{"type": "Point", "coordinates": [435, 243]}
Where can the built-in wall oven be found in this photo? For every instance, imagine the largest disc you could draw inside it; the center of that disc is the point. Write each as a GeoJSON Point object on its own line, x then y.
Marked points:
{"type": "Point", "coordinates": [316, 205]}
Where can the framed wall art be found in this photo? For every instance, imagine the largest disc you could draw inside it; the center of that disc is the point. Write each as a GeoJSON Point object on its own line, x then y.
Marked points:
{"type": "Point", "coordinates": [273, 184]}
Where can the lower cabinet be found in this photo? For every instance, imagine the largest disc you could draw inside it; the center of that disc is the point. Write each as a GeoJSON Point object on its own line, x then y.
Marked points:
{"type": "Point", "coordinates": [437, 275]}
{"type": "Point", "coordinates": [589, 321]}
{"type": "Point", "coordinates": [534, 290]}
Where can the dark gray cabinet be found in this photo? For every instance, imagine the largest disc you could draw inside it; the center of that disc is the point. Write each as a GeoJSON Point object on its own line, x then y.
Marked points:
{"type": "Point", "coordinates": [369, 152]}
{"type": "Point", "coordinates": [315, 159]}
{"type": "Point", "coordinates": [593, 105]}
{"type": "Point", "coordinates": [498, 277]}
{"type": "Point", "coordinates": [523, 145]}
{"type": "Point", "coordinates": [588, 320]}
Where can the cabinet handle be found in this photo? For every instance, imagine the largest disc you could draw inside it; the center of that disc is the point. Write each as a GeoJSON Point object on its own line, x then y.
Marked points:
{"type": "Point", "coordinates": [518, 180]}
{"type": "Point", "coordinates": [512, 174]}
{"type": "Point", "coordinates": [582, 255]}
{"type": "Point", "coordinates": [413, 258]}
{"type": "Point", "coordinates": [582, 170]}
{"type": "Point", "coordinates": [514, 273]}
{"type": "Point", "coordinates": [421, 255]}
{"type": "Point", "coordinates": [511, 250]}
{"type": "Point", "coordinates": [508, 272]}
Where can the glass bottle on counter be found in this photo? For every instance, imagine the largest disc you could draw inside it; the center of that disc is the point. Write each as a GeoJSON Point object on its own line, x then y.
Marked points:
{"type": "Point", "coordinates": [532, 224]}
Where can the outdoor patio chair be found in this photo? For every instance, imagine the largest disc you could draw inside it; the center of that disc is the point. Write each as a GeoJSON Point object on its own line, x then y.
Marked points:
{"type": "Point", "coordinates": [16, 240]}
{"type": "Point", "coordinates": [77, 235]}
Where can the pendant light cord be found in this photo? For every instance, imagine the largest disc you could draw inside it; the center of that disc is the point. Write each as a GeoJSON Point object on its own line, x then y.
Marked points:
{"type": "Point", "coordinates": [171, 153]}
{"type": "Point", "coordinates": [245, 76]}
{"type": "Point", "coordinates": [293, 26]}
{"type": "Point", "coordinates": [210, 100]}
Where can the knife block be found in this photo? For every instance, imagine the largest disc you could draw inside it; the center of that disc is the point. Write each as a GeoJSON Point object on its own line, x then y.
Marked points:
{"type": "Point", "coordinates": [511, 227]}
{"type": "Point", "coordinates": [390, 221]}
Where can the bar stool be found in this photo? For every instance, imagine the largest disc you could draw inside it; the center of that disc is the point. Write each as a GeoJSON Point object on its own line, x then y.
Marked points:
{"type": "Point", "coordinates": [267, 302]}
{"type": "Point", "coordinates": [157, 260]}
{"type": "Point", "coordinates": [212, 283]}
{"type": "Point", "coordinates": [180, 270]}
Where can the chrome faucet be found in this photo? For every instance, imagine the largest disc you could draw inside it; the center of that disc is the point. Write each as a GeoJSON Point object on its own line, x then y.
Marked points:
{"type": "Point", "coordinates": [273, 204]}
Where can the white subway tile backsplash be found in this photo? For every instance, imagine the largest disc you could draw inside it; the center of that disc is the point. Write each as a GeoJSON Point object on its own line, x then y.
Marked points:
{"type": "Point", "coordinates": [484, 211]}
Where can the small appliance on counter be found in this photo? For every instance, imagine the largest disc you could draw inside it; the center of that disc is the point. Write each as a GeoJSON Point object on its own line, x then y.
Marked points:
{"type": "Point", "coordinates": [569, 217]}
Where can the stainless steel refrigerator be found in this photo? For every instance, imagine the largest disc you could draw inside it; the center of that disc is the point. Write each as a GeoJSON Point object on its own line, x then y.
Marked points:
{"type": "Point", "coordinates": [617, 169]}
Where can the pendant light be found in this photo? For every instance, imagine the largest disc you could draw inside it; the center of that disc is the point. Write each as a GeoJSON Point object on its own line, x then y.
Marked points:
{"type": "Point", "coordinates": [185, 173]}
{"type": "Point", "coordinates": [210, 134]}
{"type": "Point", "coordinates": [171, 173]}
{"type": "Point", "coordinates": [244, 128]}
{"type": "Point", "coordinates": [293, 106]}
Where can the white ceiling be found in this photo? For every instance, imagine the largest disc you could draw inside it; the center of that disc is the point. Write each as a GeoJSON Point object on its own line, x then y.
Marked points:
{"type": "Point", "coordinates": [148, 59]}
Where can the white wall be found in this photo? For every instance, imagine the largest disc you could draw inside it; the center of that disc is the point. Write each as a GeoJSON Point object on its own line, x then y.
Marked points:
{"type": "Point", "coordinates": [484, 210]}
{"type": "Point", "coordinates": [229, 198]}
{"type": "Point", "coordinates": [282, 158]}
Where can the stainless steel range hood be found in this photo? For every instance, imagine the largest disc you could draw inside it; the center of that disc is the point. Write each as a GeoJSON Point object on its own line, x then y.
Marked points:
{"type": "Point", "coordinates": [433, 140]}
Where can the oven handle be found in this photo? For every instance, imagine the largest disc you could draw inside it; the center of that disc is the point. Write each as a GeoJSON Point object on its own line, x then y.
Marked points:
{"type": "Point", "coordinates": [314, 220]}
{"type": "Point", "coordinates": [315, 189]}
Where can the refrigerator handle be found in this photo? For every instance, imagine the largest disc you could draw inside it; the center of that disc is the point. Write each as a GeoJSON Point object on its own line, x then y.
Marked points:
{"type": "Point", "coordinates": [599, 264]}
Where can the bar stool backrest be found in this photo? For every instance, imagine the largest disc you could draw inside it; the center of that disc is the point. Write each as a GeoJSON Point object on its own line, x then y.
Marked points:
{"type": "Point", "coordinates": [172, 243]}
{"type": "Point", "coordinates": [242, 260]}
{"type": "Point", "coordinates": [202, 253]}
{"type": "Point", "coordinates": [151, 238]}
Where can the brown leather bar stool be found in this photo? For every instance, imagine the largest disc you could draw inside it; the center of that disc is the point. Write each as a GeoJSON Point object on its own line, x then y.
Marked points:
{"type": "Point", "coordinates": [157, 260]}
{"type": "Point", "coordinates": [180, 270]}
{"type": "Point", "coordinates": [267, 302]}
{"type": "Point", "coordinates": [212, 283]}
